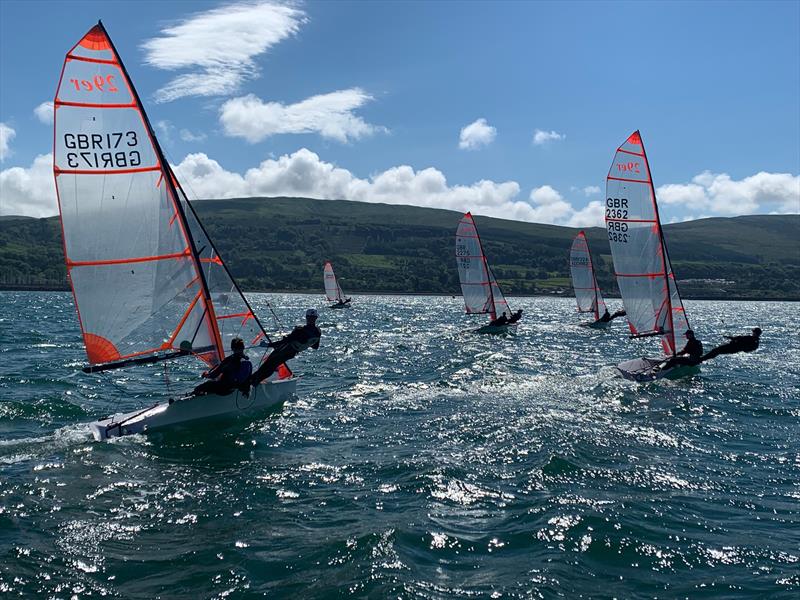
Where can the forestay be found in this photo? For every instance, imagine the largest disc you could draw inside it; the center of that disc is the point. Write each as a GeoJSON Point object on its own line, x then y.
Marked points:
{"type": "Point", "coordinates": [482, 293]}
{"type": "Point", "coordinates": [333, 291]}
{"type": "Point", "coordinates": [584, 280]}
{"type": "Point", "coordinates": [145, 276]}
{"type": "Point", "coordinates": [641, 261]}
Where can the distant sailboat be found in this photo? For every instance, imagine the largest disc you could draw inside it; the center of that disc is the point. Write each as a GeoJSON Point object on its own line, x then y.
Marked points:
{"type": "Point", "coordinates": [333, 291]}
{"type": "Point", "coordinates": [148, 283]}
{"type": "Point", "coordinates": [482, 293]}
{"type": "Point", "coordinates": [641, 262]}
{"type": "Point", "coordinates": [584, 282]}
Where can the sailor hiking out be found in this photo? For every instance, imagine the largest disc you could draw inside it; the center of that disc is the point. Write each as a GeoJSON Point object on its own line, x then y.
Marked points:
{"type": "Point", "coordinates": [739, 343]}
{"type": "Point", "coordinates": [301, 338]}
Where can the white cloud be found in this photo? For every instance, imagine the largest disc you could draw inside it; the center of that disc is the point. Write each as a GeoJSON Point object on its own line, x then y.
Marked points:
{"type": "Point", "coordinates": [6, 135]}
{"type": "Point", "coordinates": [591, 215]}
{"type": "Point", "coordinates": [543, 137]}
{"type": "Point", "coordinates": [29, 191]}
{"type": "Point", "coordinates": [188, 136]}
{"type": "Point", "coordinates": [476, 134]}
{"type": "Point", "coordinates": [591, 190]}
{"type": "Point", "coordinates": [303, 173]}
{"type": "Point", "coordinates": [551, 207]}
{"type": "Point", "coordinates": [721, 195]}
{"type": "Point", "coordinates": [220, 46]}
{"type": "Point", "coordinates": [44, 112]}
{"type": "Point", "coordinates": [330, 115]}
{"type": "Point", "coordinates": [165, 131]}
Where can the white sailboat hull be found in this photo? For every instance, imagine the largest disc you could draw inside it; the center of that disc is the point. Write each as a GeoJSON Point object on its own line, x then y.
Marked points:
{"type": "Point", "coordinates": [597, 324]}
{"type": "Point", "coordinates": [181, 411]}
{"type": "Point", "coordinates": [496, 329]}
{"type": "Point", "coordinates": [646, 369]}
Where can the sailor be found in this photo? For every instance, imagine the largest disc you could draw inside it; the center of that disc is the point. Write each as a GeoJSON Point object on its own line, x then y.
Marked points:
{"type": "Point", "coordinates": [605, 318]}
{"type": "Point", "coordinates": [515, 317]}
{"type": "Point", "coordinates": [499, 321]}
{"type": "Point", "coordinates": [690, 355]}
{"type": "Point", "coordinates": [301, 338]}
{"type": "Point", "coordinates": [739, 343]}
{"type": "Point", "coordinates": [619, 313]}
{"type": "Point", "coordinates": [232, 372]}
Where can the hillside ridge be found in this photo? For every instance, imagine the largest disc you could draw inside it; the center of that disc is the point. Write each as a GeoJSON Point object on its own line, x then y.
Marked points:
{"type": "Point", "coordinates": [280, 244]}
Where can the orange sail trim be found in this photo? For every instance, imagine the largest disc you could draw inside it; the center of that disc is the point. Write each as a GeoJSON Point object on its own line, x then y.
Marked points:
{"type": "Point", "coordinates": [58, 103]}
{"type": "Point", "coordinates": [125, 261]}
{"type": "Point", "coordinates": [95, 40]}
{"type": "Point", "coordinates": [101, 61]}
{"type": "Point", "coordinates": [183, 320]}
{"type": "Point", "coordinates": [246, 315]}
{"type": "Point", "coordinates": [99, 349]}
{"type": "Point", "coordinates": [59, 171]}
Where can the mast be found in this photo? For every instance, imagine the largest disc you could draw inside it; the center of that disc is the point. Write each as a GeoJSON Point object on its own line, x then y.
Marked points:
{"type": "Point", "coordinates": [169, 181]}
{"type": "Point", "coordinates": [489, 274]}
{"type": "Point", "coordinates": [219, 257]}
{"type": "Point", "coordinates": [664, 256]}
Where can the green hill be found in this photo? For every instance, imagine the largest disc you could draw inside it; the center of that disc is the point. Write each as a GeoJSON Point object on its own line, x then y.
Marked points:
{"type": "Point", "coordinates": [275, 244]}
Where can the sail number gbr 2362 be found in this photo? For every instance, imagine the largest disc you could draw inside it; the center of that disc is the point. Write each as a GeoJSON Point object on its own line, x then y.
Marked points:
{"type": "Point", "coordinates": [115, 150]}
{"type": "Point", "coordinates": [617, 208]}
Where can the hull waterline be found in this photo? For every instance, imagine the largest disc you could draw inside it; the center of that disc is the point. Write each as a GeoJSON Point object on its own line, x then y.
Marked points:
{"type": "Point", "coordinates": [182, 411]}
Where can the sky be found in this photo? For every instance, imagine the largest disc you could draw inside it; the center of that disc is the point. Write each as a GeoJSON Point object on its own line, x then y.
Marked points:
{"type": "Point", "coordinates": [510, 110]}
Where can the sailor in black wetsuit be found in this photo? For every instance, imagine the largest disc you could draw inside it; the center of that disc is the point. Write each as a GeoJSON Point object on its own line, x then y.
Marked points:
{"type": "Point", "coordinates": [515, 317]}
{"type": "Point", "coordinates": [233, 372]}
{"type": "Point", "coordinates": [499, 321]}
{"type": "Point", "coordinates": [739, 343]}
{"type": "Point", "coordinates": [689, 356]}
{"type": "Point", "coordinates": [298, 340]}
{"type": "Point", "coordinates": [605, 318]}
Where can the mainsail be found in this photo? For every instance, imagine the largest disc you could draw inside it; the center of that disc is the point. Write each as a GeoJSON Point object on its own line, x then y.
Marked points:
{"type": "Point", "coordinates": [333, 291]}
{"type": "Point", "coordinates": [641, 262]}
{"type": "Point", "coordinates": [584, 280]}
{"type": "Point", "coordinates": [479, 287]}
{"type": "Point", "coordinates": [145, 276]}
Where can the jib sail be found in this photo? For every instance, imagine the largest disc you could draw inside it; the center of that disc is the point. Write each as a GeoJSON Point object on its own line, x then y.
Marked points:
{"type": "Point", "coordinates": [584, 280]}
{"type": "Point", "coordinates": [145, 276]}
{"type": "Point", "coordinates": [641, 261]}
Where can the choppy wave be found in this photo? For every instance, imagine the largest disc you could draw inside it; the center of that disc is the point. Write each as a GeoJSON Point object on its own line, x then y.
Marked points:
{"type": "Point", "coordinates": [417, 461]}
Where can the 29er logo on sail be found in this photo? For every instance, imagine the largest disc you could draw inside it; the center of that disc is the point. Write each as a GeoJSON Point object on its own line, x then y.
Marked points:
{"type": "Point", "coordinates": [112, 150]}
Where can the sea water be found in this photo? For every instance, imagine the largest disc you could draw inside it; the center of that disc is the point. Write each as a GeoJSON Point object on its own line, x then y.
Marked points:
{"type": "Point", "coordinates": [417, 461]}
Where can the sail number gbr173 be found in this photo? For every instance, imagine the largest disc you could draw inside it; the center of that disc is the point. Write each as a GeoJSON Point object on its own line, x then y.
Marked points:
{"type": "Point", "coordinates": [616, 212]}
{"type": "Point", "coordinates": [112, 150]}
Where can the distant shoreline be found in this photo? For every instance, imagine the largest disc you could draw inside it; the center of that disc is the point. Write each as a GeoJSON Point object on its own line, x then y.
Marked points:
{"type": "Point", "coordinates": [53, 288]}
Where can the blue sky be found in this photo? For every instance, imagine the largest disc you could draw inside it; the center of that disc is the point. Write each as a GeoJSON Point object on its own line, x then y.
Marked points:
{"type": "Point", "coordinates": [435, 104]}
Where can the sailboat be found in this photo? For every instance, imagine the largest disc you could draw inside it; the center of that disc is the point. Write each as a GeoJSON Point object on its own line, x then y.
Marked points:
{"type": "Point", "coordinates": [147, 281]}
{"type": "Point", "coordinates": [584, 282]}
{"type": "Point", "coordinates": [482, 293]}
{"type": "Point", "coordinates": [333, 291]}
{"type": "Point", "coordinates": [641, 263]}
